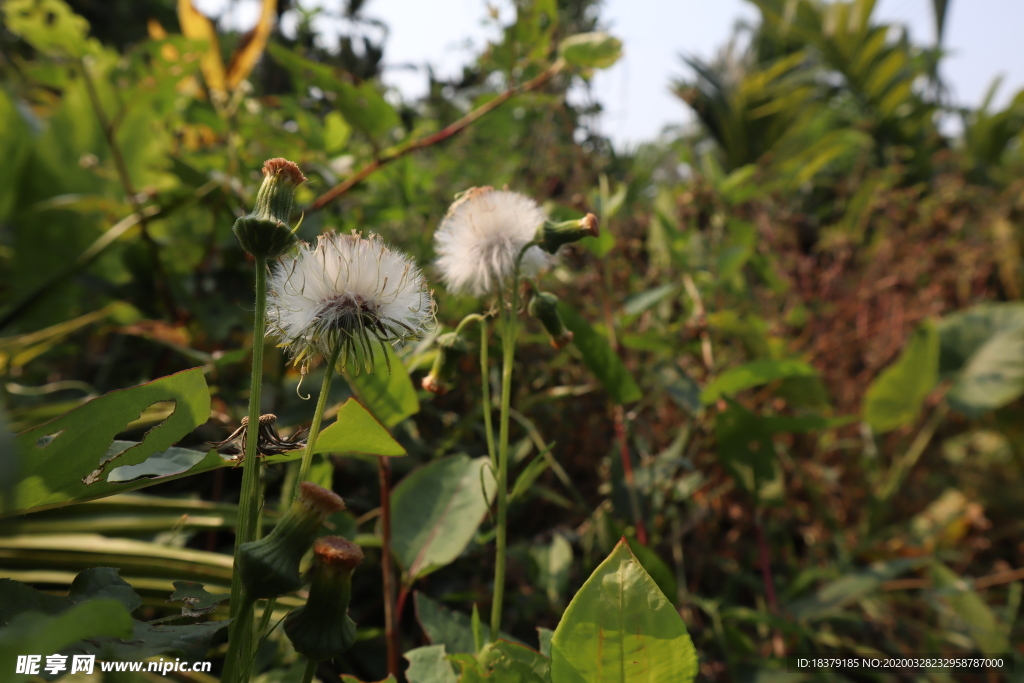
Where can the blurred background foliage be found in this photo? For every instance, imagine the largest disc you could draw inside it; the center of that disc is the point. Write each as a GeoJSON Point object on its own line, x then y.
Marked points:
{"type": "Point", "coordinates": [815, 288]}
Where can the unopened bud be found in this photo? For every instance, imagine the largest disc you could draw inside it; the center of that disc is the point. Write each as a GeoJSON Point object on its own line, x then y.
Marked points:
{"type": "Point", "coordinates": [451, 347]}
{"type": "Point", "coordinates": [322, 629]}
{"type": "Point", "coordinates": [269, 567]}
{"type": "Point", "coordinates": [551, 236]}
{"type": "Point", "coordinates": [544, 307]}
{"type": "Point", "coordinates": [265, 232]}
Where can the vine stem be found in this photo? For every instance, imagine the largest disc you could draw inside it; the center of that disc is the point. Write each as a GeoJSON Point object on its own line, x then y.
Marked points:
{"type": "Point", "coordinates": [434, 138]}
{"type": "Point", "coordinates": [240, 642]}
{"type": "Point", "coordinates": [314, 429]}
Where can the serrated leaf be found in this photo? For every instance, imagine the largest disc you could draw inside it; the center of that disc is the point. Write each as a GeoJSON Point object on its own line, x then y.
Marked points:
{"type": "Point", "coordinates": [436, 510]}
{"type": "Point", "coordinates": [896, 396]}
{"type": "Point", "coordinates": [600, 358]}
{"type": "Point", "coordinates": [619, 628]}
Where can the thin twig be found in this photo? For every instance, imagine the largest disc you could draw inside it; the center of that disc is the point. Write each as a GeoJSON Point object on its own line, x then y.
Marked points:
{"type": "Point", "coordinates": [434, 138]}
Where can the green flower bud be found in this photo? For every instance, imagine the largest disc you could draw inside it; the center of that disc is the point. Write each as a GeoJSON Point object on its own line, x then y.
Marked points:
{"type": "Point", "coordinates": [322, 629]}
{"type": "Point", "coordinates": [265, 232]}
{"type": "Point", "coordinates": [551, 236]}
{"type": "Point", "coordinates": [544, 307]}
{"type": "Point", "coordinates": [451, 347]}
{"type": "Point", "coordinates": [269, 567]}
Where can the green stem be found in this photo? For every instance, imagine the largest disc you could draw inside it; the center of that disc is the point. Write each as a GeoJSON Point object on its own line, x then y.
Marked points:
{"type": "Point", "coordinates": [268, 612]}
{"type": "Point", "coordinates": [508, 348]}
{"type": "Point", "coordinates": [486, 386]}
{"type": "Point", "coordinates": [249, 500]}
{"type": "Point", "coordinates": [307, 677]}
{"type": "Point", "coordinates": [314, 429]}
{"type": "Point", "coordinates": [238, 662]}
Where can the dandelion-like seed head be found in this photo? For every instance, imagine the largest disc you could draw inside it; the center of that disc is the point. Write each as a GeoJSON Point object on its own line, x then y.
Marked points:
{"type": "Point", "coordinates": [481, 237]}
{"type": "Point", "coordinates": [348, 292]}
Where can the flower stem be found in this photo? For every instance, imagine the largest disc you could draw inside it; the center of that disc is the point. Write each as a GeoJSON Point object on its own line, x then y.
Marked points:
{"type": "Point", "coordinates": [240, 644]}
{"type": "Point", "coordinates": [508, 348]}
{"type": "Point", "coordinates": [484, 379]}
{"type": "Point", "coordinates": [314, 429]}
{"type": "Point", "coordinates": [307, 676]}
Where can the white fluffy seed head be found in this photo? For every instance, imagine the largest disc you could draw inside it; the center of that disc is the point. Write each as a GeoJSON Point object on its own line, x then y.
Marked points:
{"type": "Point", "coordinates": [481, 237]}
{"type": "Point", "coordinates": [347, 292]}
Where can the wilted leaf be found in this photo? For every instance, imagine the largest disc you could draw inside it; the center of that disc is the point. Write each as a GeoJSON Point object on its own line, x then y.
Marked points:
{"type": "Point", "coordinates": [252, 45]}
{"type": "Point", "coordinates": [197, 26]}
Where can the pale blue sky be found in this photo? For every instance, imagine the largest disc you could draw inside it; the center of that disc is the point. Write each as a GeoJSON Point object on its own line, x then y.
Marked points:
{"type": "Point", "coordinates": [983, 37]}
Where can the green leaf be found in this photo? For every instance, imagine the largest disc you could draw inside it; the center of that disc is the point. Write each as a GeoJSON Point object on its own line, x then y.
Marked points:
{"type": "Point", "coordinates": [429, 665]}
{"type": "Point", "coordinates": [514, 663]}
{"type": "Point", "coordinates": [544, 638]}
{"type": "Point", "coordinates": [591, 50]}
{"type": "Point", "coordinates": [895, 398]}
{"type": "Point", "coordinates": [530, 473]}
{"type": "Point", "coordinates": [436, 510]}
{"type": "Point", "coordinates": [600, 358]}
{"type": "Point", "coordinates": [993, 376]}
{"type": "Point", "coordinates": [962, 334]}
{"type": "Point", "coordinates": [832, 598]}
{"type": "Point", "coordinates": [390, 396]}
{"type": "Point", "coordinates": [36, 633]}
{"type": "Point", "coordinates": [75, 464]}
{"type": "Point", "coordinates": [195, 598]}
{"type": "Point", "coordinates": [49, 26]}
{"type": "Point", "coordinates": [448, 627]}
{"type": "Point", "coordinates": [621, 629]}
{"type": "Point", "coordinates": [638, 303]}
{"type": "Point", "coordinates": [336, 132]}
{"type": "Point", "coordinates": [656, 568]}
{"type": "Point", "coordinates": [753, 374]}
{"type": "Point", "coordinates": [554, 562]}
{"type": "Point", "coordinates": [356, 431]}
{"type": "Point", "coordinates": [745, 448]}
{"type": "Point", "coordinates": [984, 627]}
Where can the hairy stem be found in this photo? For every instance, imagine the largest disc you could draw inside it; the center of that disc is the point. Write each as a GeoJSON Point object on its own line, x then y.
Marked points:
{"type": "Point", "coordinates": [314, 429]}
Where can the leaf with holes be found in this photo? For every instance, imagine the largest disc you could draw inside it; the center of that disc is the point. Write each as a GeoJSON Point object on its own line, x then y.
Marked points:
{"type": "Point", "coordinates": [75, 463]}
{"type": "Point", "coordinates": [436, 509]}
{"type": "Point", "coordinates": [620, 628]}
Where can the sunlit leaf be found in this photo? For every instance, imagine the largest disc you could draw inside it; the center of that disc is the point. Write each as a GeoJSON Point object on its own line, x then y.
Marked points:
{"type": "Point", "coordinates": [619, 628]}
{"type": "Point", "coordinates": [896, 396]}
{"type": "Point", "coordinates": [252, 45]}
{"type": "Point", "coordinates": [197, 26]}
{"type": "Point", "coordinates": [357, 431]}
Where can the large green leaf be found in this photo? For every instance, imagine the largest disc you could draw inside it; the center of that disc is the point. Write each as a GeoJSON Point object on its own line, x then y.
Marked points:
{"type": "Point", "coordinates": [387, 393]}
{"type": "Point", "coordinates": [600, 358]}
{"type": "Point", "coordinates": [753, 374]}
{"type": "Point", "coordinates": [436, 509]}
{"type": "Point", "coordinates": [75, 462]}
{"type": "Point", "coordinates": [357, 431]}
{"type": "Point", "coordinates": [621, 629]}
{"type": "Point", "coordinates": [895, 398]}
